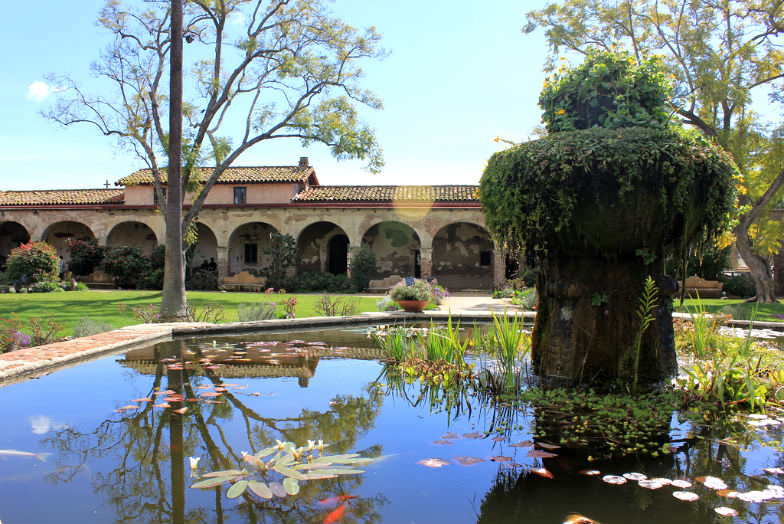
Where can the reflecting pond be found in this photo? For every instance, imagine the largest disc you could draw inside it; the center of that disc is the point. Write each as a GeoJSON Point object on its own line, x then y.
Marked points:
{"type": "Point", "coordinates": [112, 441]}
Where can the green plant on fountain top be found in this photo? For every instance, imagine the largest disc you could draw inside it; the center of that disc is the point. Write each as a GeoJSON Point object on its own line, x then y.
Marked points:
{"type": "Point", "coordinates": [614, 178]}
{"type": "Point", "coordinates": [289, 463]}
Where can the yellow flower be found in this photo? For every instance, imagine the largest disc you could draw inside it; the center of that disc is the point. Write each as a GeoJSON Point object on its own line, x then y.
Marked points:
{"type": "Point", "coordinates": [497, 139]}
{"type": "Point", "coordinates": [560, 112]}
{"type": "Point", "coordinates": [672, 76]}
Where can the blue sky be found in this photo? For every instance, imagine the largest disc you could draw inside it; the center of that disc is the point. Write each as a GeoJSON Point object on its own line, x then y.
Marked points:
{"type": "Point", "coordinates": [458, 74]}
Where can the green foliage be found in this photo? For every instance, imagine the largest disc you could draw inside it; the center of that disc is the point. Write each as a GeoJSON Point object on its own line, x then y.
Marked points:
{"type": "Point", "coordinates": [332, 306]}
{"type": "Point", "coordinates": [418, 290]}
{"type": "Point", "coordinates": [645, 316]}
{"type": "Point", "coordinates": [511, 346]}
{"type": "Point", "coordinates": [363, 264]}
{"type": "Point", "coordinates": [586, 197]}
{"type": "Point", "coordinates": [87, 326]}
{"type": "Point", "coordinates": [283, 257]}
{"type": "Point", "coordinates": [202, 279]}
{"type": "Point", "coordinates": [248, 312]}
{"type": "Point", "coordinates": [128, 264]}
{"type": "Point", "coordinates": [738, 285]}
{"type": "Point", "coordinates": [33, 262]}
{"type": "Point", "coordinates": [609, 90]}
{"type": "Point", "coordinates": [86, 256]}
{"type": "Point", "coordinates": [525, 298]}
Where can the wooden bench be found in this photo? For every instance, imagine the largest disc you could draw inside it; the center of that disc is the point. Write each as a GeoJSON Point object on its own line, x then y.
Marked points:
{"type": "Point", "coordinates": [704, 288]}
{"type": "Point", "coordinates": [244, 281]}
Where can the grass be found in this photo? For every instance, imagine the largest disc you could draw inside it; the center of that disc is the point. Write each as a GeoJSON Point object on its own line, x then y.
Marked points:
{"type": "Point", "coordinates": [765, 312]}
{"type": "Point", "coordinates": [67, 308]}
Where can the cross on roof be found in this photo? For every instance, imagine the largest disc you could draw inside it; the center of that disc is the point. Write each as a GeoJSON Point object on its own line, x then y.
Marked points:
{"type": "Point", "coordinates": [106, 185]}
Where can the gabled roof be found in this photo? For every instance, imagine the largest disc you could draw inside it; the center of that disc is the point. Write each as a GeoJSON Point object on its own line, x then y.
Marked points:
{"type": "Point", "coordinates": [233, 175]}
{"type": "Point", "coordinates": [70, 197]}
{"type": "Point", "coordinates": [446, 193]}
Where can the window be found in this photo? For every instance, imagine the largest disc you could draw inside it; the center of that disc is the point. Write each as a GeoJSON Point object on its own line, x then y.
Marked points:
{"type": "Point", "coordinates": [251, 253]}
{"type": "Point", "coordinates": [240, 195]}
{"type": "Point", "coordinates": [485, 258]}
{"type": "Point", "coordinates": [155, 195]}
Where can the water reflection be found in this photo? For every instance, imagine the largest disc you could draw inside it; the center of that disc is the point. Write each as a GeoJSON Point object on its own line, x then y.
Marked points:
{"type": "Point", "coordinates": [149, 447]}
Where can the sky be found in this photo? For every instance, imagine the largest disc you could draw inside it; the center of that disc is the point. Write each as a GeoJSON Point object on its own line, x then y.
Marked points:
{"type": "Point", "coordinates": [458, 74]}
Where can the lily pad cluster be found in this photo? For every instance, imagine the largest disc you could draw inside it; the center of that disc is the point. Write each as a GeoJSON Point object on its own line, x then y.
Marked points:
{"type": "Point", "coordinates": [278, 470]}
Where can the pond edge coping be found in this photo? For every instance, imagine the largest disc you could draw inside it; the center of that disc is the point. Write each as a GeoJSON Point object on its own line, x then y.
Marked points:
{"type": "Point", "coordinates": [28, 363]}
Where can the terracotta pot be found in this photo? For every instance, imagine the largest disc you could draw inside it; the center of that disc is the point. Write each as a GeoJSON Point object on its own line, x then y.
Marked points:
{"type": "Point", "coordinates": [413, 306]}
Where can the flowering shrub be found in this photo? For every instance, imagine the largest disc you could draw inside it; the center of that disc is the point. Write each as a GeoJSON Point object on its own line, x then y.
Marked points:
{"type": "Point", "coordinates": [127, 264]}
{"type": "Point", "coordinates": [438, 291]}
{"type": "Point", "coordinates": [86, 256]}
{"type": "Point", "coordinates": [41, 331]}
{"type": "Point", "coordinates": [289, 307]}
{"type": "Point", "coordinates": [148, 314]}
{"type": "Point", "coordinates": [33, 262]}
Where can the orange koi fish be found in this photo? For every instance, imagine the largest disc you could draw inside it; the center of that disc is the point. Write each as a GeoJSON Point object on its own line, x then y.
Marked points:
{"type": "Point", "coordinates": [335, 514]}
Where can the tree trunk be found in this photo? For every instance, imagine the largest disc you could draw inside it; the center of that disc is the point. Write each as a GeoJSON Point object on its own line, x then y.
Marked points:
{"type": "Point", "coordinates": [760, 273]}
{"type": "Point", "coordinates": [586, 324]}
{"type": "Point", "coordinates": [173, 299]}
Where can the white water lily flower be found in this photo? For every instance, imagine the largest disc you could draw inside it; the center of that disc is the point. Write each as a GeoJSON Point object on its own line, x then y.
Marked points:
{"type": "Point", "coordinates": [194, 462]}
{"type": "Point", "coordinates": [311, 444]}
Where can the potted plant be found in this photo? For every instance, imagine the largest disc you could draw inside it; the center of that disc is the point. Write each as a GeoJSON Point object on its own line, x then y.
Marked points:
{"type": "Point", "coordinates": [413, 298]}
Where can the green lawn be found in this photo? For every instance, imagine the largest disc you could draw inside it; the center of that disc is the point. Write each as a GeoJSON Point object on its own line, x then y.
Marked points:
{"type": "Point", "coordinates": [111, 306]}
{"type": "Point", "coordinates": [738, 309]}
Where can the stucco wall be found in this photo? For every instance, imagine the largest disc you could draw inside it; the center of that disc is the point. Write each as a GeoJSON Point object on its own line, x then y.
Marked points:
{"type": "Point", "coordinates": [220, 194]}
{"type": "Point", "coordinates": [457, 256]}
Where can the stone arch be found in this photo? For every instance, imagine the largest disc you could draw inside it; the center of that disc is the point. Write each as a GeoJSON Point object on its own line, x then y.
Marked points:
{"type": "Point", "coordinates": [206, 248]}
{"type": "Point", "coordinates": [247, 244]}
{"type": "Point", "coordinates": [323, 246]}
{"type": "Point", "coordinates": [132, 233]}
{"type": "Point", "coordinates": [12, 235]}
{"type": "Point", "coordinates": [397, 247]}
{"type": "Point", "coordinates": [463, 256]}
{"type": "Point", "coordinates": [58, 234]}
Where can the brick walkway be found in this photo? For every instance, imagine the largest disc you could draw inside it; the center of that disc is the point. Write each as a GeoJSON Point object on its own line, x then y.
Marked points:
{"type": "Point", "coordinates": [36, 360]}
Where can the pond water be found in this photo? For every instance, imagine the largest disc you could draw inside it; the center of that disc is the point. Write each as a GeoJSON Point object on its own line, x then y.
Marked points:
{"type": "Point", "coordinates": [82, 445]}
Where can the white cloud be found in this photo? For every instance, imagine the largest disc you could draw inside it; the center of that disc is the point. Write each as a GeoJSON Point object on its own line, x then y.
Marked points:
{"type": "Point", "coordinates": [40, 424]}
{"type": "Point", "coordinates": [39, 91]}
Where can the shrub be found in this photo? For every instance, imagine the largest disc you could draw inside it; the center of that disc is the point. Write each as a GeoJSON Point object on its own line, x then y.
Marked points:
{"type": "Point", "coordinates": [202, 279]}
{"type": "Point", "coordinates": [127, 264]}
{"type": "Point", "coordinates": [87, 326]}
{"type": "Point", "coordinates": [438, 292]}
{"type": "Point", "coordinates": [317, 281]}
{"type": "Point", "coordinates": [525, 298]}
{"type": "Point", "coordinates": [47, 286]}
{"type": "Point", "coordinates": [528, 277]}
{"type": "Point", "coordinates": [211, 312]}
{"type": "Point", "coordinates": [328, 306]}
{"type": "Point", "coordinates": [86, 256]}
{"type": "Point", "coordinates": [418, 290]}
{"type": "Point", "coordinates": [258, 311]}
{"type": "Point", "coordinates": [81, 286]}
{"type": "Point", "coordinates": [283, 256]}
{"type": "Point", "coordinates": [33, 262]}
{"type": "Point", "coordinates": [362, 265]}
{"type": "Point", "coordinates": [739, 286]}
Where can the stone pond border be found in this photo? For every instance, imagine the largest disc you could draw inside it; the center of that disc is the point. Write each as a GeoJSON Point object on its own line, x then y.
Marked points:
{"type": "Point", "coordinates": [28, 363]}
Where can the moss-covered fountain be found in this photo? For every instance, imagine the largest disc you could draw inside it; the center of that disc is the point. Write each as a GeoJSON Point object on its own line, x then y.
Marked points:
{"type": "Point", "coordinates": [599, 203]}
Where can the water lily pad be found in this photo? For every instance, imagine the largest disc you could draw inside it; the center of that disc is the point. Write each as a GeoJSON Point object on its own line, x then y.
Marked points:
{"type": "Point", "coordinates": [522, 444]}
{"type": "Point", "coordinates": [474, 435]}
{"type": "Point", "coordinates": [278, 490]}
{"type": "Point", "coordinates": [450, 435]}
{"type": "Point", "coordinates": [686, 496]}
{"type": "Point", "coordinates": [225, 473]}
{"type": "Point", "coordinates": [467, 461]}
{"type": "Point", "coordinates": [724, 511]}
{"type": "Point", "coordinates": [729, 493]}
{"type": "Point", "coordinates": [635, 476]}
{"type": "Point", "coordinates": [211, 482]}
{"type": "Point", "coordinates": [442, 442]}
{"type": "Point", "coordinates": [291, 486]}
{"type": "Point", "coordinates": [290, 473]}
{"type": "Point", "coordinates": [542, 472]}
{"type": "Point", "coordinates": [712, 482]}
{"type": "Point", "coordinates": [260, 489]}
{"type": "Point", "coordinates": [590, 472]}
{"type": "Point", "coordinates": [614, 480]}
{"type": "Point", "coordinates": [237, 489]}
{"type": "Point", "coordinates": [549, 447]}
{"type": "Point", "coordinates": [682, 484]}
{"type": "Point", "coordinates": [318, 475]}
{"type": "Point", "coordinates": [651, 484]}
{"type": "Point", "coordinates": [498, 439]}
{"type": "Point", "coordinates": [500, 458]}
{"type": "Point", "coordinates": [434, 462]}
{"type": "Point", "coordinates": [538, 453]}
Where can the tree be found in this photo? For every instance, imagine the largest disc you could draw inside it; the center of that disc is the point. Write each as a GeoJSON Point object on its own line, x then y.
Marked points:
{"type": "Point", "coordinates": [722, 55]}
{"type": "Point", "coordinates": [280, 69]}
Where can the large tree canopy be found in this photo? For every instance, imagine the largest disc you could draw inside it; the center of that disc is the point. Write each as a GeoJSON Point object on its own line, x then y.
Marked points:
{"type": "Point", "coordinates": [723, 57]}
{"type": "Point", "coordinates": [255, 71]}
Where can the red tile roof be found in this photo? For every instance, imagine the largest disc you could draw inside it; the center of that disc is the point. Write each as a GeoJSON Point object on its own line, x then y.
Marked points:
{"type": "Point", "coordinates": [446, 193]}
{"type": "Point", "coordinates": [69, 197]}
{"type": "Point", "coordinates": [232, 175]}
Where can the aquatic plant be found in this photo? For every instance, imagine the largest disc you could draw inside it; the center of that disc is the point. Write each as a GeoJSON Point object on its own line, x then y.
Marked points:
{"type": "Point", "coordinates": [397, 342]}
{"type": "Point", "coordinates": [289, 465]}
